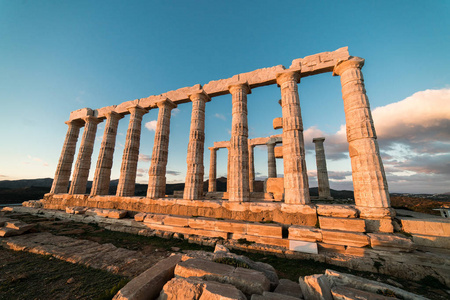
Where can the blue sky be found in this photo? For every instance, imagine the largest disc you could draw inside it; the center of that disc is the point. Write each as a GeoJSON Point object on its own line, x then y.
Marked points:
{"type": "Point", "coordinates": [60, 56]}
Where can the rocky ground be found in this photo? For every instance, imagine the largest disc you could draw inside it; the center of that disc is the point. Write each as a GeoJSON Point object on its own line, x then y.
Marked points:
{"type": "Point", "coordinates": [29, 276]}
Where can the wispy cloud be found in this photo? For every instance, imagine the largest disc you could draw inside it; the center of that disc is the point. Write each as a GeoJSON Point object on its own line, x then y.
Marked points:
{"type": "Point", "coordinates": [173, 173]}
{"type": "Point", "coordinates": [151, 125]}
{"type": "Point", "coordinates": [144, 157]}
{"type": "Point", "coordinates": [32, 159]}
{"type": "Point", "coordinates": [220, 116]}
{"type": "Point", "coordinates": [175, 111]}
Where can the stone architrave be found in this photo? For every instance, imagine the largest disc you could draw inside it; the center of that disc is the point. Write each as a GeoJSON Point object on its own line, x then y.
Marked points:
{"type": "Point", "coordinates": [83, 164]}
{"type": "Point", "coordinates": [251, 168]}
{"type": "Point", "coordinates": [102, 177]}
{"type": "Point", "coordinates": [296, 188]}
{"type": "Point", "coordinates": [369, 179]}
{"type": "Point", "coordinates": [322, 173]}
{"type": "Point", "coordinates": [127, 180]}
{"type": "Point", "coordinates": [238, 156]}
{"type": "Point", "coordinates": [157, 171]}
{"type": "Point", "coordinates": [194, 176]}
{"type": "Point", "coordinates": [64, 168]}
{"type": "Point", "coordinates": [271, 162]}
{"type": "Point", "coordinates": [212, 170]}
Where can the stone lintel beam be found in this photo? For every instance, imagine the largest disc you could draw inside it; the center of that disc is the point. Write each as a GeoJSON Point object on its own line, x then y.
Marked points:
{"type": "Point", "coordinates": [79, 114]}
{"type": "Point", "coordinates": [309, 65]}
{"type": "Point", "coordinates": [279, 152]}
{"type": "Point", "coordinates": [223, 144]}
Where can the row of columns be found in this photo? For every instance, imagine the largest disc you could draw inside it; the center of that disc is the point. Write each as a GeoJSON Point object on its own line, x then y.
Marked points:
{"type": "Point", "coordinates": [368, 174]}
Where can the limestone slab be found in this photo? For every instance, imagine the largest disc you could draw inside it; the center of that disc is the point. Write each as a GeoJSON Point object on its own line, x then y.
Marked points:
{"type": "Point", "coordinates": [154, 218]}
{"type": "Point", "coordinates": [337, 211]}
{"type": "Point", "coordinates": [390, 242]}
{"type": "Point", "coordinates": [431, 241]}
{"type": "Point", "coordinates": [379, 225]}
{"type": "Point", "coordinates": [264, 230]}
{"type": "Point", "coordinates": [303, 246]}
{"type": "Point", "coordinates": [355, 239]}
{"type": "Point", "coordinates": [149, 283]}
{"type": "Point", "coordinates": [202, 223]}
{"type": "Point", "coordinates": [289, 288]}
{"type": "Point", "coordinates": [272, 296]}
{"type": "Point", "coordinates": [278, 123]}
{"type": "Point", "coordinates": [176, 221]}
{"type": "Point", "coordinates": [343, 224]}
{"type": "Point", "coordinates": [231, 226]}
{"type": "Point", "coordinates": [348, 293]}
{"type": "Point", "coordinates": [305, 233]}
{"type": "Point", "coordinates": [426, 227]}
{"type": "Point", "coordinates": [139, 217]}
{"type": "Point", "coordinates": [316, 287]}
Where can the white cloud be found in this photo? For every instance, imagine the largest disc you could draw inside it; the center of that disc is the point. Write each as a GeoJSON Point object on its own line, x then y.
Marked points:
{"type": "Point", "coordinates": [144, 157]}
{"type": "Point", "coordinates": [175, 112]}
{"type": "Point", "coordinates": [220, 116]}
{"type": "Point", "coordinates": [151, 125]}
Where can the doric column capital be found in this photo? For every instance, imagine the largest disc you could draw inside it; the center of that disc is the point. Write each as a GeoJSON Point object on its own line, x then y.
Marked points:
{"type": "Point", "coordinates": [201, 95]}
{"type": "Point", "coordinates": [318, 140]}
{"type": "Point", "coordinates": [113, 115]}
{"type": "Point", "coordinates": [167, 103]}
{"type": "Point", "coordinates": [242, 86]}
{"type": "Point", "coordinates": [286, 76]}
{"type": "Point", "coordinates": [91, 119]}
{"type": "Point", "coordinates": [75, 123]}
{"type": "Point", "coordinates": [213, 148]}
{"type": "Point", "coordinates": [343, 65]}
{"type": "Point", "coordinates": [136, 109]}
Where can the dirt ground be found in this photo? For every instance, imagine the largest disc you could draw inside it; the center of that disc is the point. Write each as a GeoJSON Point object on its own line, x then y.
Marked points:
{"type": "Point", "coordinates": [30, 276]}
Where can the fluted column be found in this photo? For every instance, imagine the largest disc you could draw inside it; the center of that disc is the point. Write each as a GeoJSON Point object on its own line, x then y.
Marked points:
{"type": "Point", "coordinates": [228, 170]}
{"type": "Point", "coordinates": [212, 170]}
{"type": "Point", "coordinates": [369, 179]}
{"type": "Point", "coordinates": [238, 177]}
{"type": "Point", "coordinates": [128, 169]}
{"type": "Point", "coordinates": [251, 168]}
{"type": "Point", "coordinates": [102, 177]}
{"type": "Point", "coordinates": [83, 164]}
{"type": "Point", "coordinates": [64, 168]}
{"type": "Point", "coordinates": [157, 171]}
{"type": "Point", "coordinates": [271, 162]}
{"type": "Point", "coordinates": [193, 188]}
{"type": "Point", "coordinates": [296, 188]}
{"type": "Point", "coordinates": [322, 173]}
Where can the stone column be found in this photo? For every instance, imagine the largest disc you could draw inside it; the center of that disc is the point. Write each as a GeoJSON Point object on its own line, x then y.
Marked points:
{"type": "Point", "coordinates": [102, 177]}
{"type": "Point", "coordinates": [193, 188]}
{"type": "Point", "coordinates": [238, 176]}
{"type": "Point", "coordinates": [369, 179]}
{"type": "Point", "coordinates": [322, 173]}
{"type": "Point", "coordinates": [228, 170]}
{"type": "Point", "coordinates": [83, 164]}
{"type": "Point", "coordinates": [251, 168]}
{"type": "Point", "coordinates": [296, 188]}
{"type": "Point", "coordinates": [157, 171]}
{"type": "Point", "coordinates": [128, 169]}
{"type": "Point", "coordinates": [271, 162]}
{"type": "Point", "coordinates": [212, 170]}
{"type": "Point", "coordinates": [64, 168]}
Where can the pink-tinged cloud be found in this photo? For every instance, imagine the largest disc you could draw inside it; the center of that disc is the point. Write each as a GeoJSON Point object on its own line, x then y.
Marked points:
{"type": "Point", "coordinates": [151, 126]}
{"type": "Point", "coordinates": [220, 116]}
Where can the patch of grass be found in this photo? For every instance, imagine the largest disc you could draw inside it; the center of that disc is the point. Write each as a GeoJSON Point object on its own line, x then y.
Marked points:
{"type": "Point", "coordinates": [26, 275]}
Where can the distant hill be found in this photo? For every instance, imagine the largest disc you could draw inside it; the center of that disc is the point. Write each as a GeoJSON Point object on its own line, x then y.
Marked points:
{"type": "Point", "coordinates": [24, 183]}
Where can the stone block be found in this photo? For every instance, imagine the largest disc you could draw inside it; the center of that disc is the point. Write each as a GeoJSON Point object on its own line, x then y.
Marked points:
{"type": "Point", "coordinates": [278, 152]}
{"type": "Point", "coordinates": [379, 225]}
{"type": "Point", "coordinates": [342, 224]}
{"type": "Point", "coordinates": [278, 123]}
{"type": "Point", "coordinates": [264, 230]}
{"type": "Point", "coordinates": [76, 210]}
{"type": "Point", "coordinates": [248, 281]}
{"type": "Point", "coordinates": [337, 211]}
{"type": "Point", "coordinates": [202, 223]}
{"type": "Point", "coordinates": [316, 287]}
{"type": "Point", "coordinates": [431, 241]}
{"type": "Point", "coordinates": [390, 242]}
{"type": "Point", "coordinates": [3, 220]}
{"type": "Point", "coordinates": [275, 186]}
{"type": "Point", "coordinates": [272, 296]}
{"type": "Point", "coordinates": [154, 218]}
{"type": "Point", "coordinates": [303, 246]}
{"type": "Point", "coordinates": [18, 225]}
{"type": "Point", "coordinates": [140, 217]}
{"type": "Point", "coordinates": [375, 212]}
{"type": "Point", "coordinates": [356, 282]}
{"type": "Point", "coordinates": [219, 291]}
{"type": "Point", "coordinates": [181, 289]}
{"type": "Point", "coordinates": [331, 248]}
{"type": "Point", "coordinates": [117, 214]}
{"type": "Point", "coordinates": [81, 113]}
{"type": "Point", "coordinates": [6, 232]}
{"type": "Point", "coordinates": [348, 293]}
{"type": "Point", "coordinates": [336, 237]}
{"type": "Point", "coordinates": [149, 283]}
{"type": "Point", "coordinates": [289, 288]}
{"type": "Point", "coordinates": [305, 233]}
{"type": "Point", "coordinates": [231, 226]}
{"type": "Point", "coordinates": [434, 227]}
